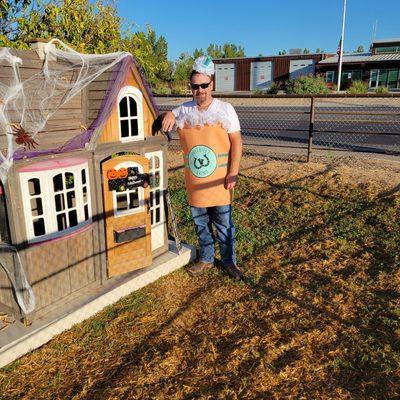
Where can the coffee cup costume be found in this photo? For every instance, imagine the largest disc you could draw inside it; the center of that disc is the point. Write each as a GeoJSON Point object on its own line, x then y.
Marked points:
{"type": "Point", "coordinates": [205, 144]}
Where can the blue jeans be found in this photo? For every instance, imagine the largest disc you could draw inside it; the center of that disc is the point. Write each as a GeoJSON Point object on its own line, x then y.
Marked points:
{"type": "Point", "coordinates": [221, 218]}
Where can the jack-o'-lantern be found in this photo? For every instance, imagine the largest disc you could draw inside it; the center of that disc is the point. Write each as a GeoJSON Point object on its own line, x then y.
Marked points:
{"type": "Point", "coordinates": [123, 173]}
{"type": "Point", "coordinates": [112, 174]}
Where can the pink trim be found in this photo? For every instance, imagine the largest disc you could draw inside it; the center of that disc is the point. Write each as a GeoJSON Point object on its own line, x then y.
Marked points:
{"type": "Point", "coordinates": [54, 164]}
{"type": "Point", "coordinates": [57, 239]}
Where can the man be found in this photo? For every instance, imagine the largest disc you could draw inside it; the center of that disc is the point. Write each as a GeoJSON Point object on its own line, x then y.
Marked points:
{"type": "Point", "coordinates": [209, 133]}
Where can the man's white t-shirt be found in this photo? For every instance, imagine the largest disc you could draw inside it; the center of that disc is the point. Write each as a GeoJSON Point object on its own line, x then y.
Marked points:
{"type": "Point", "coordinates": [216, 107]}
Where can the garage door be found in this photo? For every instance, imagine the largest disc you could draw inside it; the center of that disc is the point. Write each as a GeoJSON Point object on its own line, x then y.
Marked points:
{"type": "Point", "coordinates": [225, 77]}
{"type": "Point", "coordinates": [301, 67]}
{"type": "Point", "coordinates": [260, 75]}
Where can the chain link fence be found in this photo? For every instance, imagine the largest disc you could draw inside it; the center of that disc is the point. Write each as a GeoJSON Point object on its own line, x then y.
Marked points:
{"type": "Point", "coordinates": [306, 127]}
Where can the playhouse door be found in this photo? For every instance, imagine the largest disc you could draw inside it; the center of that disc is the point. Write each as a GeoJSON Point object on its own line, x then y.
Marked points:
{"type": "Point", "coordinates": [127, 214]}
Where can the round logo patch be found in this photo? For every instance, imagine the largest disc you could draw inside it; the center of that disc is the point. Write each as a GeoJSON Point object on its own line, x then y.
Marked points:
{"type": "Point", "coordinates": [202, 161]}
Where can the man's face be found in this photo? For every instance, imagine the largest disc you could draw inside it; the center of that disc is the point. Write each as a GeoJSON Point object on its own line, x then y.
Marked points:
{"type": "Point", "coordinates": [202, 96]}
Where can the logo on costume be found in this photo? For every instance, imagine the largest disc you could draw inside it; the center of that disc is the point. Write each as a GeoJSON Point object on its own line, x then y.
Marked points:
{"type": "Point", "coordinates": [202, 161]}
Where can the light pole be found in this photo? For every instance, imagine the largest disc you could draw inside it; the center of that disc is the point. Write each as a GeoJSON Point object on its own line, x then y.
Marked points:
{"type": "Point", "coordinates": [341, 47]}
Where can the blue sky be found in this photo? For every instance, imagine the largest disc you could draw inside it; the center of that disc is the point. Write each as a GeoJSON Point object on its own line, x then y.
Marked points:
{"type": "Point", "coordinates": [263, 26]}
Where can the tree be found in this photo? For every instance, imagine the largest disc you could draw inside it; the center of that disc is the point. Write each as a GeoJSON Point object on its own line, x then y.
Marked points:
{"type": "Point", "coordinates": [231, 50]}
{"type": "Point", "coordinates": [92, 27]}
{"type": "Point", "coordinates": [306, 51]}
{"type": "Point", "coordinates": [151, 54]}
{"type": "Point", "coordinates": [282, 52]}
{"type": "Point", "coordinates": [183, 68]}
{"type": "Point", "coordinates": [214, 51]}
{"type": "Point", "coordinates": [89, 26]}
{"type": "Point", "coordinates": [228, 50]}
{"type": "Point", "coordinates": [198, 53]}
{"type": "Point", "coordinates": [10, 11]}
{"type": "Point", "coordinates": [360, 49]}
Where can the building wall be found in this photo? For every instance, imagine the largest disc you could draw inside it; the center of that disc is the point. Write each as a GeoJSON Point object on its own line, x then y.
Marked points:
{"type": "Point", "coordinates": [280, 67]}
{"type": "Point", "coordinates": [364, 67]}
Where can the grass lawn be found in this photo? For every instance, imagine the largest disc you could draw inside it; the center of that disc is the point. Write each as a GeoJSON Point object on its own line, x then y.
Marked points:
{"type": "Point", "coordinates": [318, 316]}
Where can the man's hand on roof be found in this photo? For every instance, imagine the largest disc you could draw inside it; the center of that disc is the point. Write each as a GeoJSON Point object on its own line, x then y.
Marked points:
{"type": "Point", "coordinates": [168, 122]}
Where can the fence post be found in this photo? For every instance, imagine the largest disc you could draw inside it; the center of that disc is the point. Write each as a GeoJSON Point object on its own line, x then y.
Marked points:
{"type": "Point", "coordinates": [311, 128]}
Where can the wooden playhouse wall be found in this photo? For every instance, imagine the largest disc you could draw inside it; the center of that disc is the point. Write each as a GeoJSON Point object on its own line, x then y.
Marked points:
{"type": "Point", "coordinates": [55, 268]}
{"type": "Point", "coordinates": [64, 124]}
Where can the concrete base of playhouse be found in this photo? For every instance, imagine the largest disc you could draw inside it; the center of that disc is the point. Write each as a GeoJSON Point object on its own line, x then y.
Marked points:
{"type": "Point", "coordinates": [17, 339]}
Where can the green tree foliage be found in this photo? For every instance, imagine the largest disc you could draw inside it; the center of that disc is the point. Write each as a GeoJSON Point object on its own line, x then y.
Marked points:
{"type": "Point", "coordinates": [91, 27]}
{"type": "Point", "coordinates": [9, 12]}
{"type": "Point", "coordinates": [306, 51]}
{"type": "Point", "coordinates": [231, 50]}
{"type": "Point", "coordinates": [307, 84]}
{"type": "Point", "coordinates": [198, 53]}
{"type": "Point", "coordinates": [151, 53]}
{"type": "Point", "coordinates": [228, 50]}
{"type": "Point", "coordinates": [88, 26]}
{"type": "Point", "coordinates": [282, 52]}
{"type": "Point", "coordinates": [183, 67]}
{"type": "Point", "coordinates": [360, 49]}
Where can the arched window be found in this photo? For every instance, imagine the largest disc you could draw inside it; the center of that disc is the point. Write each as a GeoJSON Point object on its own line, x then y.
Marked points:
{"type": "Point", "coordinates": [130, 114]}
{"type": "Point", "coordinates": [128, 201]}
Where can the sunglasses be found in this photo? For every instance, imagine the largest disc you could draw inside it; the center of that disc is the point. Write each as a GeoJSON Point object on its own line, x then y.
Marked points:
{"type": "Point", "coordinates": [196, 86]}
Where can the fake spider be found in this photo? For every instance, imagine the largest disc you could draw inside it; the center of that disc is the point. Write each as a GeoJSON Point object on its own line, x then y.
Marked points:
{"type": "Point", "coordinates": [23, 137]}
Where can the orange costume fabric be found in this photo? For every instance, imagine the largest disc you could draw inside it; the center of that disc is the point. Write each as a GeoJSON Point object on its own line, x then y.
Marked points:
{"type": "Point", "coordinates": [206, 152]}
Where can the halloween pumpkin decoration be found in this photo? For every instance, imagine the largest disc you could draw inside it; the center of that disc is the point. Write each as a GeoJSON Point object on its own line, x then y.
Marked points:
{"type": "Point", "coordinates": [112, 174]}
{"type": "Point", "coordinates": [122, 173]}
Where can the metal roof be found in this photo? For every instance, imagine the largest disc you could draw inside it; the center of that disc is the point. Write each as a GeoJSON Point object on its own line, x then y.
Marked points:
{"type": "Point", "coordinates": [362, 57]}
{"type": "Point", "coordinates": [380, 41]}
{"type": "Point", "coordinates": [270, 56]}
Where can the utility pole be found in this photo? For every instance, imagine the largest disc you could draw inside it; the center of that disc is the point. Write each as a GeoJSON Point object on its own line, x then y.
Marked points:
{"type": "Point", "coordinates": [341, 46]}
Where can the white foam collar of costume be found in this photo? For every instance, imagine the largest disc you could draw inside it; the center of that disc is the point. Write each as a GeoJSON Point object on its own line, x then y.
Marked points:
{"type": "Point", "coordinates": [201, 118]}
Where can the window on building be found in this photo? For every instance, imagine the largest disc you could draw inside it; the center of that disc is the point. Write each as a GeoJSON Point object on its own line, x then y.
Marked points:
{"type": "Point", "coordinates": [373, 80]}
{"type": "Point", "coordinates": [393, 77]}
{"type": "Point", "coordinates": [155, 189]}
{"type": "Point", "coordinates": [330, 77]}
{"type": "Point", "coordinates": [128, 201]}
{"type": "Point", "coordinates": [55, 201]}
{"type": "Point", "coordinates": [130, 113]}
{"type": "Point", "coordinates": [351, 76]}
{"type": "Point", "coordinates": [385, 77]}
{"type": "Point", "coordinates": [382, 77]}
{"type": "Point", "coordinates": [391, 49]}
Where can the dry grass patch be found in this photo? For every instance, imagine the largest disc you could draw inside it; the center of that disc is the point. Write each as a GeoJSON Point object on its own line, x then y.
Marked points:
{"type": "Point", "coordinates": [318, 316]}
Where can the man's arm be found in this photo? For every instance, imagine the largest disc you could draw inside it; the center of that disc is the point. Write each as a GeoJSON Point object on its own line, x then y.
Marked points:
{"type": "Point", "coordinates": [168, 121]}
{"type": "Point", "coordinates": [235, 154]}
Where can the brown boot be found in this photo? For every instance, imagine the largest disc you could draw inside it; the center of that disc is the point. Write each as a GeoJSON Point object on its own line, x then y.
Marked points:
{"type": "Point", "coordinates": [234, 271]}
{"type": "Point", "coordinates": [199, 268]}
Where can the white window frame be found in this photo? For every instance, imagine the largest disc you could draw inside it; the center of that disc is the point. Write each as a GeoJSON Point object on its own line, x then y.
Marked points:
{"type": "Point", "coordinates": [136, 94]}
{"type": "Point", "coordinates": [129, 164]}
{"type": "Point", "coordinates": [370, 77]}
{"type": "Point", "coordinates": [157, 228]}
{"type": "Point", "coordinates": [47, 195]}
{"type": "Point", "coordinates": [332, 74]}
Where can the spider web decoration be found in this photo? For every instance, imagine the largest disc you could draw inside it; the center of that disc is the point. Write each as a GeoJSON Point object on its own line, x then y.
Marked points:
{"type": "Point", "coordinates": [26, 105]}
